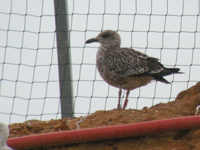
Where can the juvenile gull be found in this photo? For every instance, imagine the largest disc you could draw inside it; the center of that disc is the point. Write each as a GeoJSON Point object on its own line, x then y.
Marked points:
{"type": "Point", "coordinates": [126, 68]}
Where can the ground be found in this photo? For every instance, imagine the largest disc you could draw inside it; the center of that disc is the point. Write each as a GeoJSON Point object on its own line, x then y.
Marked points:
{"type": "Point", "coordinates": [184, 105]}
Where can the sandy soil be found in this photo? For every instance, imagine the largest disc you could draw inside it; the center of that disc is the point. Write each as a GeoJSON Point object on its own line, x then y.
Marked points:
{"type": "Point", "coordinates": [184, 105]}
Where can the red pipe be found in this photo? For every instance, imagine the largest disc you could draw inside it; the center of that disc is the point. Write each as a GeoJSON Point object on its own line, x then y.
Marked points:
{"type": "Point", "coordinates": [104, 133]}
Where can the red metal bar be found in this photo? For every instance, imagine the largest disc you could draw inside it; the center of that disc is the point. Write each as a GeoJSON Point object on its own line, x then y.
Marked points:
{"type": "Point", "coordinates": [105, 133]}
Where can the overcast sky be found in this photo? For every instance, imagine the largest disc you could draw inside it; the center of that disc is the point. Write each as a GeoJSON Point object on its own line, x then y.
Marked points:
{"type": "Point", "coordinates": [165, 29]}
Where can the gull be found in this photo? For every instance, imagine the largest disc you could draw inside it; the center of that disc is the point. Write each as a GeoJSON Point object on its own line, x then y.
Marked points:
{"type": "Point", "coordinates": [126, 68]}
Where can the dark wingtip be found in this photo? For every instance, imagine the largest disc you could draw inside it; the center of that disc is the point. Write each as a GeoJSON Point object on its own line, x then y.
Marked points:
{"type": "Point", "coordinates": [176, 70]}
{"type": "Point", "coordinates": [165, 72]}
{"type": "Point", "coordinates": [161, 79]}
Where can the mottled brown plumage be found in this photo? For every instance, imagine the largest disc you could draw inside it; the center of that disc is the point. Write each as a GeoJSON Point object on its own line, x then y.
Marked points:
{"type": "Point", "coordinates": [126, 68]}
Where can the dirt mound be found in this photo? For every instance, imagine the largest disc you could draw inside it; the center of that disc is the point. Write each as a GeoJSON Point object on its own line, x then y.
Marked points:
{"type": "Point", "coordinates": [184, 105]}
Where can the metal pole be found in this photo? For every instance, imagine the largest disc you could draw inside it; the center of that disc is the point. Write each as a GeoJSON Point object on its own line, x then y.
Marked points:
{"type": "Point", "coordinates": [64, 58]}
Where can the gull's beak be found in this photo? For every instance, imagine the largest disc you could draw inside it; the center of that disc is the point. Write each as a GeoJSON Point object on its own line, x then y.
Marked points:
{"type": "Point", "coordinates": [91, 40]}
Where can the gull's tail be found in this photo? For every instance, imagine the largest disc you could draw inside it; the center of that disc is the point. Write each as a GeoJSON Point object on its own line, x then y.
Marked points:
{"type": "Point", "coordinates": [167, 71]}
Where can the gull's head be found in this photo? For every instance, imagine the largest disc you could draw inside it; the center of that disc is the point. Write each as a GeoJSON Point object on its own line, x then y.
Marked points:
{"type": "Point", "coordinates": [107, 38]}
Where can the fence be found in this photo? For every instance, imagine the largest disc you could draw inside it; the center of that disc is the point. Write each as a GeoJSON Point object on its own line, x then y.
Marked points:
{"type": "Point", "coordinates": [29, 88]}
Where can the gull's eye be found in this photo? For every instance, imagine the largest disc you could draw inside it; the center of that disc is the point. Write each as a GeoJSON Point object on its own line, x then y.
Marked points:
{"type": "Point", "coordinates": [106, 35]}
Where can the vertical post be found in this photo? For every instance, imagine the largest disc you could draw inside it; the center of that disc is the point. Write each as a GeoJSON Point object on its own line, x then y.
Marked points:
{"type": "Point", "coordinates": [64, 58]}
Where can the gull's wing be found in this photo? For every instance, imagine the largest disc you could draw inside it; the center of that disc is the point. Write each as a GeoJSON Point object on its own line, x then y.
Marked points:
{"type": "Point", "coordinates": [128, 62]}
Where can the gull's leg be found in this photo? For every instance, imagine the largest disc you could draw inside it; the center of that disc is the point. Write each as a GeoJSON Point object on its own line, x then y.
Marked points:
{"type": "Point", "coordinates": [126, 99]}
{"type": "Point", "coordinates": [119, 99]}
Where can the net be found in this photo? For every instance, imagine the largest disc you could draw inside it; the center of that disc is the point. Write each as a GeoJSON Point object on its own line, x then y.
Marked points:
{"type": "Point", "coordinates": [29, 87]}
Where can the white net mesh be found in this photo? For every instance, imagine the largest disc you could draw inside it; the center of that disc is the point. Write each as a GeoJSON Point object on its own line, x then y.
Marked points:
{"type": "Point", "coordinates": [168, 30]}
{"type": "Point", "coordinates": [28, 61]}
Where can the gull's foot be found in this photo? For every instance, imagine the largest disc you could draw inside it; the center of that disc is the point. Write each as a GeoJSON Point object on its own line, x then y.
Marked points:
{"type": "Point", "coordinates": [119, 107]}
